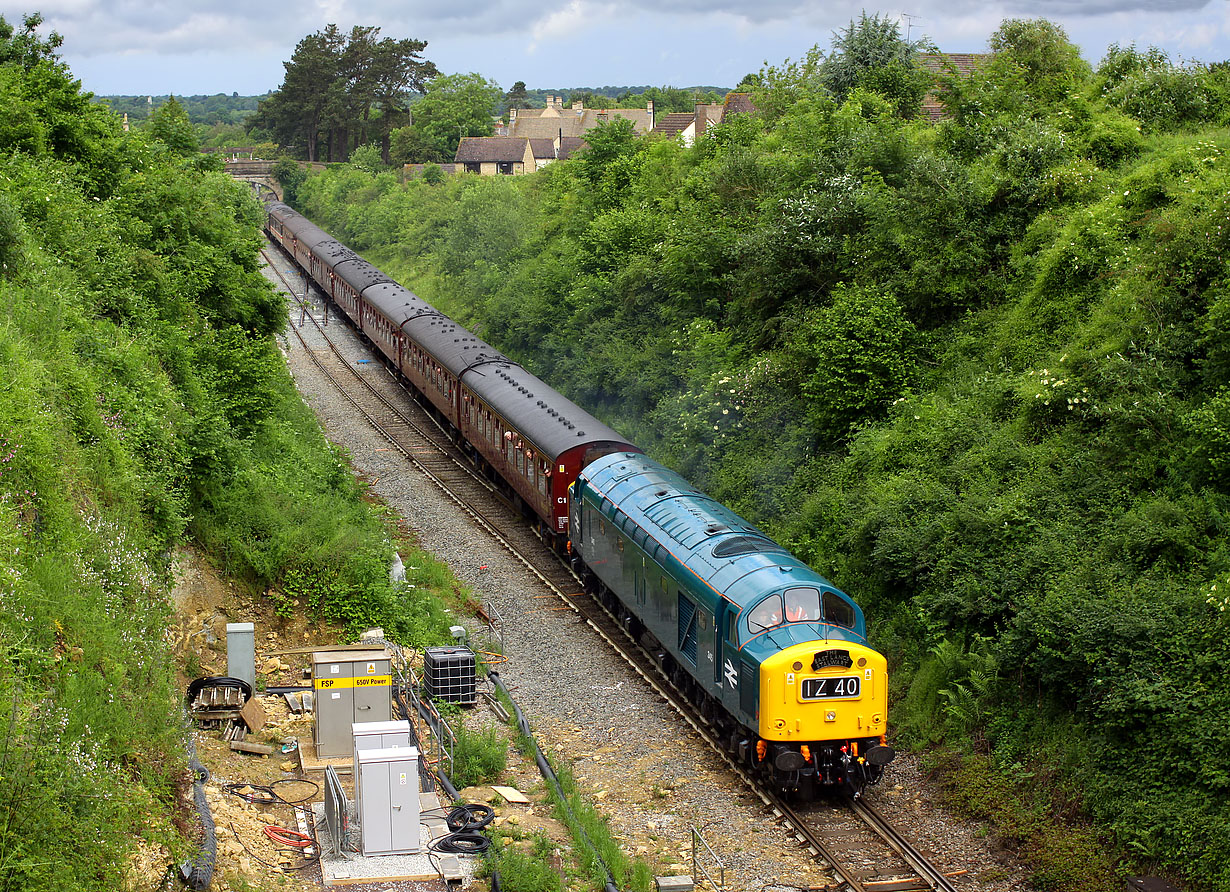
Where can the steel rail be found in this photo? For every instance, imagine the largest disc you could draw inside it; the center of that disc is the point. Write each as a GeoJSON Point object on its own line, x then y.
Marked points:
{"type": "Point", "coordinates": [918, 862]}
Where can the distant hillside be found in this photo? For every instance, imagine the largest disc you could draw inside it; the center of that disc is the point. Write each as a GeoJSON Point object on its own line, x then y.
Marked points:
{"type": "Point", "coordinates": [217, 109]}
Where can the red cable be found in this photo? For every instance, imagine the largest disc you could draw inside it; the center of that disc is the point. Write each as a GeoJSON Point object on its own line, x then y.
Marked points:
{"type": "Point", "coordinates": [292, 838]}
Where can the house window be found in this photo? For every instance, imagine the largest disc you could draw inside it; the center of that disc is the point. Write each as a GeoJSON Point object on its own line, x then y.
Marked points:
{"type": "Point", "coordinates": [504, 167]}
{"type": "Point", "coordinates": [473, 167]}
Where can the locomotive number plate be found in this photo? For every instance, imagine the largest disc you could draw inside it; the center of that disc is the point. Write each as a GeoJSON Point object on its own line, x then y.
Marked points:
{"type": "Point", "coordinates": [830, 688]}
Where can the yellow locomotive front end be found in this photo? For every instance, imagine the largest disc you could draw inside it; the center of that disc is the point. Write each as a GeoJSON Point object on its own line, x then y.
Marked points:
{"type": "Point", "coordinates": [823, 714]}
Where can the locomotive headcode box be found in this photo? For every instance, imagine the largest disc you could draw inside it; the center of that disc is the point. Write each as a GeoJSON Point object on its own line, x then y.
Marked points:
{"type": "Point", "coordinates": [349, 686]}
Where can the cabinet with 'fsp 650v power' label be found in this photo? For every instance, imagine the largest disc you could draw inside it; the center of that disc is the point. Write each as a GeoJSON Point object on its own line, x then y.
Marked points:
{"type": "Point", "coordinates": [349, 686]}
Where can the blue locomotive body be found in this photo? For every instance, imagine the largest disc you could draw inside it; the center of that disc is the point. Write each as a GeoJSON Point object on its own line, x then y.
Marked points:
{"type": "Point", "coordinates": [770, 651]}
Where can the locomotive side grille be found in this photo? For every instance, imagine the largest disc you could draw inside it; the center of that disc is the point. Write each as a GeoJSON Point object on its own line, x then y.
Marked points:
{"type": "Point", "coordinates": [687, 628]}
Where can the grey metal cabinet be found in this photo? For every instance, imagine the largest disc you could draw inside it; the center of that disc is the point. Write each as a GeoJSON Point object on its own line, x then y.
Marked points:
{"type": "Point", "coordinates": [389, 806]}
{"type": "Point", "coordinates": [349, 687]}
{"type": "Point", "coordinates": [377, 736]}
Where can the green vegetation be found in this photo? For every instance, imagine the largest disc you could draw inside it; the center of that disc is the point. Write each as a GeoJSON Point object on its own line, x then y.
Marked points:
{"type": "Point", "coordinates": [519, 870]}
{"type": "Point", "coordinates": [480, 757]}
{"type": "Point", "coordinates": [975, 372]}
{"type": "Point", "coordinates": [143, 403]}
{"type": "Point", "coordinates": [208, 111]}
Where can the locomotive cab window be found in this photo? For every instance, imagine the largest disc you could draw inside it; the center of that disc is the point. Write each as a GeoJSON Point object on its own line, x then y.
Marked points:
{"type": "Point", "coordinates": [837, 610]}
{"type": "Point", "coordinates": [766, 615]}
{"type": "Point", "coordinates": [802, 605]}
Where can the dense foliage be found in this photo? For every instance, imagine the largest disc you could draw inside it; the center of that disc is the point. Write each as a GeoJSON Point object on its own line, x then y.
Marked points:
{"type": "Point", "coordinates": [220, 108]}
{"type": "Point", "coordinates": [976, 372]}
{"type": "Point", "coordinates": [143, 402]}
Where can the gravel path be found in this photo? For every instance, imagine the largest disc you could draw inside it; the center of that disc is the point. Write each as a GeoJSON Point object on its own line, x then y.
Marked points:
{"type": "Point", "coordinates": [645, 769]}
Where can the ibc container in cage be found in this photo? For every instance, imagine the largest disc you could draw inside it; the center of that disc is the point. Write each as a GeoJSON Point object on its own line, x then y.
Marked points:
{"type": "Point", "coordinates": [448, 674]}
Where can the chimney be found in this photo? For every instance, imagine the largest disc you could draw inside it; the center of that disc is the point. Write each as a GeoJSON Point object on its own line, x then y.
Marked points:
{"type": "Point", "coordinates": [649, 108]}
{"type": "Point", "coordinates": [702, 119]}
{"type": "Point", "coordinates": [512, 116]}
{"type": "Point", "coordinates": [578, 107]}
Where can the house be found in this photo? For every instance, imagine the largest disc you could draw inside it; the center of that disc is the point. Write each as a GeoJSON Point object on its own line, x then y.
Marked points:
{"type": "Point", "coordinates": [556, 122]}
{"type": "Point", "coordinates": [689, 125]}
{"type": "Point", "coordinates": [537, 136]}
{"type": "Point", "coordinates": [491, 155]}
{"type": "Point", "coordinates": [512, 155]}
{"type": "Point", "coordinates": [964, 64]}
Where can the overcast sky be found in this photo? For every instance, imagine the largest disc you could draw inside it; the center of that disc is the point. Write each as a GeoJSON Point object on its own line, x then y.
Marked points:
{"type": "Point", "coordinates": [174, 46]}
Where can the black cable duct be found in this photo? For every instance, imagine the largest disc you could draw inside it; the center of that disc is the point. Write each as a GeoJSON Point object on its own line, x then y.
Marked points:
{"type": "Point", "coordinates": [198, 872]}
{"type": "Point", "coordinates": [548, 774]}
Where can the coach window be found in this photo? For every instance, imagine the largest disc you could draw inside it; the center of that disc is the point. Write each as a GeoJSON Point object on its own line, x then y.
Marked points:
{"type": "Point", "coordinates": [837, 610]}
{"type": "Point", "coordinates": [520, 463]}
{"type": "Point", "coordinates": [543, 479]}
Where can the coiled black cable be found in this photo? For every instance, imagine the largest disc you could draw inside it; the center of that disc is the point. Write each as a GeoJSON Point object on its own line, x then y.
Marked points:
{"type": "Point", "coordinates": [474, 816]}
{"type": "Point", "coordinates": [466, 822]}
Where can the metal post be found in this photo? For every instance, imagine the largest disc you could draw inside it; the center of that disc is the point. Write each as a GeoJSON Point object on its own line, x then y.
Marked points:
{"type": "Point", "coordinates": [721, 882]}
{"type": "Point", "coordinates": [241, 652]}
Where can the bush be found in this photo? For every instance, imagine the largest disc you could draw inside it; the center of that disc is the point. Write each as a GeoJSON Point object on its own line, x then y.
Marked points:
{"type": "Point", "coordinates": [480, 757]}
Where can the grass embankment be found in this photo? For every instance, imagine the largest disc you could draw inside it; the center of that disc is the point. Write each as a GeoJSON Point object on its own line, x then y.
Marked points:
{"type": "Point", "coordinates": [143, 403]}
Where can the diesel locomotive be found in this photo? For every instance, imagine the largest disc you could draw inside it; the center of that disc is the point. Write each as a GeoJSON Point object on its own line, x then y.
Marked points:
{"type": "Point", "coordinates": [773, 655]}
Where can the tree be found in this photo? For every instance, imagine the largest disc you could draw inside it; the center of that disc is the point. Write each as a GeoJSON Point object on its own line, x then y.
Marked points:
{"type": "Point", "coordinates": [26, 48]}
{"type": "Point", "coordinates": [295, 112]}
{"type": "Point", "coordinates": [367, 158]}
{"type": "Point", "coordinates": [171, 127]}
{"type": "Point", "coordinates": [516, 97]}
{"type": "Point", "coordinates": [290, 176]}
{"type": "Point", "coordinates": [1052, 65]}
{"type": "Point", "coordinates": [872, 54]}
{"type": "Point", "coordinates": [454, 106]}
{"type": "Point", "coordinates": [334, 82]}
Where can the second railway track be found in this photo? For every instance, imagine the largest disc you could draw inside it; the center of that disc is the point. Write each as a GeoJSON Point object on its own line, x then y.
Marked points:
{"type": "Point", "coordinates": [862, 849]}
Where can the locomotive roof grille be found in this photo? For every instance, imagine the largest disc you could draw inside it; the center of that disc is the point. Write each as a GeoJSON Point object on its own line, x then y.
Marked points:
{"type": "Point", "coordinates": [740, 545]}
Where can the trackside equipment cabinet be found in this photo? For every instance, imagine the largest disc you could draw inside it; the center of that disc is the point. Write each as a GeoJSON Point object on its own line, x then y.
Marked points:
{"type": "Point", "coordinates": [389, 806]}
{"type": "Point", "coordinates": [377, 736]}
{"type": "Point", "coordinates": [350, 686]}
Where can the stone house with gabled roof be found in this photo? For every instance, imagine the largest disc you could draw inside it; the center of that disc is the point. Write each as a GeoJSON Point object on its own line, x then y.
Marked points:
{"type": "Point", "coordinates": [492, 155]}
{"type": "Point", "coordinates": [556, 122]}
{"type": "Point", "coordinates": [688, 126]}
{"type": "Point", "coordinates": [512, 155]}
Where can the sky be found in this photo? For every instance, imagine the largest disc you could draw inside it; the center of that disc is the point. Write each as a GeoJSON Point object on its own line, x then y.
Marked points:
{"type": "Point", "coordinates": [157, 47]}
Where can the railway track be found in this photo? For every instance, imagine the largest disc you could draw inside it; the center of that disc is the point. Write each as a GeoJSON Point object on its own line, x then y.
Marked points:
{"type": "Point", "coordinates": [863, 850]}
